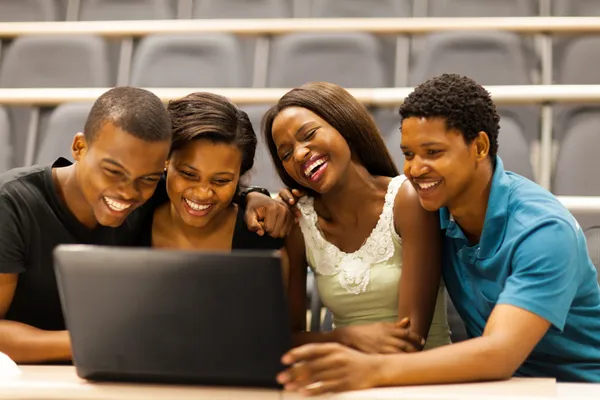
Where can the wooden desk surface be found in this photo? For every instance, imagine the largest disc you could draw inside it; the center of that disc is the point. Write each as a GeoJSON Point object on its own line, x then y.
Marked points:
{"type": "Point", "coordinates": [61, 382]}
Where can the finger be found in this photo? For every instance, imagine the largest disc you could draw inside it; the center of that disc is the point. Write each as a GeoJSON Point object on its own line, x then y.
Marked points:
{"type": "Point", "coordinates": [391, 349]}
{"type": "Point", "coordinates": [323, 387]}
{"type": "Point", "coordinates": [253, 224]}
{"type": "Point", "coordinates": [409, 336]}
{"type": "Point", "coordinates": [408, 347]}
{"type": "Point", "coordinates": [403, 323]}
{"type": "Point", "coordinates": [287, 196]}
{"type": "Point", "coordinates": [270, 222]}
{"type": "Point", "coordinates": [298, 193]}
{"type": "Point", "coordinates": [309, 352]}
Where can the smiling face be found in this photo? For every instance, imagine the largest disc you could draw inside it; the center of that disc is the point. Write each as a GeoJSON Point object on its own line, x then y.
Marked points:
{"type": "Point", "coordinates": [202, 179]}
{"type": "Point", "coordinates": [438, 162]}
{"type": "Point", "coordinates": [117, 172]}
{"type": "Point", "coordinates": [313, 153]}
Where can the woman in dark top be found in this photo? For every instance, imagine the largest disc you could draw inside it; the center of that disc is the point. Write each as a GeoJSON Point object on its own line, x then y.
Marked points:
{"type": "Point", "coordinates": [213, 147]}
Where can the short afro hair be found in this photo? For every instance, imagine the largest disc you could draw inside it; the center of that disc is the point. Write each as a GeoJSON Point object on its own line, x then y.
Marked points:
{"type": "Point", "coordinates": [138, 112]}
{"type": "Point", "coordinates": [461, 102]}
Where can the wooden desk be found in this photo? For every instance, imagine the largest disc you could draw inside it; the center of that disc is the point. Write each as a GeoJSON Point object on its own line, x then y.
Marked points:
{"type": "Point", "coordinates": [61, 382]}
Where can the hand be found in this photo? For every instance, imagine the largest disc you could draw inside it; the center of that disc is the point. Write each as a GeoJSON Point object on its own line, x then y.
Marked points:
{"type": "Point", "coordinates": [291, 196]}
{"type": "Point", "coordinates": [382, 337]}
{"type": "Point", "coordinates": [329, 367]}
{"type": "Point", "coordinates": [264, 214]}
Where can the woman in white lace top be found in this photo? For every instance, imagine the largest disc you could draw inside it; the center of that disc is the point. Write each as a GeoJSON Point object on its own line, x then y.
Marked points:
{"type": "Point", "coordinates": [360, 228]}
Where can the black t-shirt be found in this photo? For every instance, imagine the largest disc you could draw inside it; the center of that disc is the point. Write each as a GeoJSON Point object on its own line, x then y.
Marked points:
{"type": "Point", "coordinates": [243, 238]}
{"type": "Point", "coordinates": [33, 221]}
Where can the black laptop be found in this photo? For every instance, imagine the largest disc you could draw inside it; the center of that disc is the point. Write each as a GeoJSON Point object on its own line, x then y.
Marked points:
{"type": "Point", "coordinates": [167, 316]}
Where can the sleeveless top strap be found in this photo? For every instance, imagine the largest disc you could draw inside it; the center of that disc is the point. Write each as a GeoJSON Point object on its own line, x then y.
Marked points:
{"type": "Point", "coordinates": [353, 269]}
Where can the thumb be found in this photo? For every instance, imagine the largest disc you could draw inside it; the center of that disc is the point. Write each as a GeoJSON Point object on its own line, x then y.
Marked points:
{"type": "Point", "coordinates": [253, 222]}
{"type": "Point", "coordinates": [404, 323]}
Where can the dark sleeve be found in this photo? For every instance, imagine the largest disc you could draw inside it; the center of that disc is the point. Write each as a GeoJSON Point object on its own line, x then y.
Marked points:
{"type": "Point", "coordinates": [244, 239]}
{"type": "Point", "coordinates": [12, 242]}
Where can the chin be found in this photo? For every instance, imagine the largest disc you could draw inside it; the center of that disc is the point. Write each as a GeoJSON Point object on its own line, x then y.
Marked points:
{"type": "Point", "coordinates": [431, 206]}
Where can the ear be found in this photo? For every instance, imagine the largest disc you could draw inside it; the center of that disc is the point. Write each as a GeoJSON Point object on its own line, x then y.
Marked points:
{"type": "Point", "coordinates": [166, 165]}
{"type": "Point", "coordinates": [79, 146]}
{"type": "Point", "coordinates": [482, 146]}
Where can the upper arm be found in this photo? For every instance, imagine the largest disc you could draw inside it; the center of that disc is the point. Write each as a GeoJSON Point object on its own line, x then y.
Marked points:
{"type": "Point", "coordinates": [421, 259]}
{"type": "Point", "coordinates": [545, 272]}
{"type": "Point", "coordinates": [8, 285]}
{"type": "Point", "coordinates": [297, 265]}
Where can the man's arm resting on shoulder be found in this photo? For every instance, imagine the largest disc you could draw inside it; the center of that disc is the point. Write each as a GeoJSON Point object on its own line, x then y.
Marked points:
{"type": "Point", "coordinates": [24, 343]}
{"type": "Point", "coordinates": [509, 337]}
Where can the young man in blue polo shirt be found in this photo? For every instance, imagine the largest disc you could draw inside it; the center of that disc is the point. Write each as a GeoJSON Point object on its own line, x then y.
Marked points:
{"type": "Point", "coordinates": [515, 265]}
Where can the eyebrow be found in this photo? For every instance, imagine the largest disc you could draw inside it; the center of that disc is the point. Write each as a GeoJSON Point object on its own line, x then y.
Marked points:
{"type": "Point", "coordinates": [216, 173]}
{"type": "Point", "coordinates": [117, 164]}
{"type": "Point", "coordinates": [298, 131]}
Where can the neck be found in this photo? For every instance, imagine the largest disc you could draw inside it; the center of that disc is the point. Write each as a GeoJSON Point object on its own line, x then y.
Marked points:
{"type": "Point", "coordinates": [195, 234]}
{"type": "Point", "coordinates": [65, 180]}
{"type": "Point", "coordinates": [356, 187]}
{"type": "Point", "coordinates": [470, 208]}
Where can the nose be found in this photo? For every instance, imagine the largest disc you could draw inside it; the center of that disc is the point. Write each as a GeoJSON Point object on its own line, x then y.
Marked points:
{"type": "Point", "coordinates": [203, 192]}
{"type": "Point", "coordinates": [417, 168]}
{"type": "Point", "coordinates": [129, 191]}
{"type": "Point", "coordinates": [301, 153]}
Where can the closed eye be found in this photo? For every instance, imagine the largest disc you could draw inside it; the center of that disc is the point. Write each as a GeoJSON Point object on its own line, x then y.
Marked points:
{"type": "Point", "coordinates": [222, 182]}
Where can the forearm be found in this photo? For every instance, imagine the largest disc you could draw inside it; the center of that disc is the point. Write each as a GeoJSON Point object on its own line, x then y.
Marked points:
{"type": "Point", "coordinates": [477, 359]}
{"type": "Point", "coordinates": [26, 344]}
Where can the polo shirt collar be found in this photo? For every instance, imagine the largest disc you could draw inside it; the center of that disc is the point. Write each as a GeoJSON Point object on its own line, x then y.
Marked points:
{"type": "Point", "coordinates": [496, 215]}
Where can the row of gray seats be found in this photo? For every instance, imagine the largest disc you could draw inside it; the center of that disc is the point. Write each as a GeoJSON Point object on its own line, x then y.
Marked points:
{"type": "Point", "coordinates": [52, 10]}
{"type": "Point", "coordinates": [349, 59]}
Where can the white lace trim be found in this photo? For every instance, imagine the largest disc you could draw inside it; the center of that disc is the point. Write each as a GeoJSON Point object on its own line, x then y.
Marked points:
{"type": "Point", "coordinates": [353, 269]}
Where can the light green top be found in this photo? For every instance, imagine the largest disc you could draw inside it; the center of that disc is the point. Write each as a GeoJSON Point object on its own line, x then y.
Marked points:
{"type": "Point", "coordinates": [362, 287]}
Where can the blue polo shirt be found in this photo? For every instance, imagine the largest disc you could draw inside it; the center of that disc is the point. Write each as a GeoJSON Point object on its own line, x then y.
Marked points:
{"type": "Point", "coordinates": [532, 254]}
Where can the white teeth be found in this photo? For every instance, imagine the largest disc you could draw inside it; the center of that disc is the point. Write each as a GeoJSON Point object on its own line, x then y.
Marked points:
{"type": "Point", "coordinates": [428, 185]}
{"type": "Point", "coordinates": [196, 206]}
{"type": "Point", "coordinates": [116, 205]}
{"type": "Point", "coordinates": [308, 169]}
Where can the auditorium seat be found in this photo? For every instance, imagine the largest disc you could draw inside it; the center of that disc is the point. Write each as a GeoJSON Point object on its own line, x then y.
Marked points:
{"type": "Point", "coordinates": [28, 10]}
{"type": "Point", "coordinates": [490, 58]}
{"type": "Point", "coordinates": [577, 164]}
{"type": "Point", "coordinates": [263, 173]}
{"type": "Point", "coordinates": [361, 8]}
{"type": "Point", "coordinates": [346, 59]}
{"type": "Point", "coordinates": [5, 141]}
{"type": "Point", "coordinates": [242, 9]}
{"type": "Point", "coordinates": [513, 148]}
{"type": "Point", "coordinates": [576, 8]}
{"type": "Point", "coordinates": [65, 121]}
{"type": "Point", "coordinates": [578, 66]}
{"type": "Point", "coordinates": [50, 62]}
{"type": "Point", "coordinates": [592, 236]}
{"type": "Point", "coordinates": [483, 8]}
{"type": "Point", "coordinates": [106, 10]}
{"type": "Point", "coordinates": [210, 60]}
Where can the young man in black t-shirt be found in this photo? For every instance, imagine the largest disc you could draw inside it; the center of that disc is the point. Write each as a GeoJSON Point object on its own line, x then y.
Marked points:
{"type": "Point", "coordinates": [120, 159]}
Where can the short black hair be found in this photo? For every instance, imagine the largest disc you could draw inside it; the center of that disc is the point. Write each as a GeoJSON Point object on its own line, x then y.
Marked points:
{"type": "Point", "coordinates": [136, 111]}
{"type": "Point", "coordinates": [212, 117]}
{"type": "Point", "coordinates": [463, 103]}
